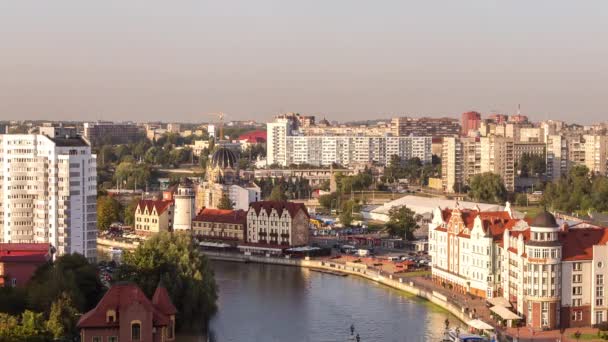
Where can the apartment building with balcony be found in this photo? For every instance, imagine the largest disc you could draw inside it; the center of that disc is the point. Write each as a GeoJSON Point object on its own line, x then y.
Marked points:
{"type": "Point", "coordinates": [48, 192]}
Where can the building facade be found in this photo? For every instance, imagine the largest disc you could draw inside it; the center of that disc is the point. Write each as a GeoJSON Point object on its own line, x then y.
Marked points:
{"type": "Point", "coordinates": [220, 225]}
{"type": "Point", "coordinates": [19, 262]}
{"type": "Point", "coordinates": [434, 127]}
{"type": "Point", "coordinates": [126, 314]}
{"type": "Point", "coordinates": [104, 132]}
{"type": "Point", "coordinates": [154, 216]}
{"type": "Point", "coordinates": [48, 192]}
{"type": "Point", "coordinates": [470, 122]}
{"type": "Point", "coordinates": [552, 276]}
{"type": "Point", "coordinates": [274, 223]}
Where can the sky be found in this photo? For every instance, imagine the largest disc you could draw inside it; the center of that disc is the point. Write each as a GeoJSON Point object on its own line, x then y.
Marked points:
{"type": "Point", "coordinates": [341, 59]}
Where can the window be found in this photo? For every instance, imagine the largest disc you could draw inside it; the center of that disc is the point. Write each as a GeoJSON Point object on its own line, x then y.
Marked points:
{"type": "Point", "coordinates": [96, 339]}
{"type": "Point", "coordinates": [577, 302]}
{"type": "Point", "coordinates": [599, 291]}
{"type": "Point", "coordinates": [577, 290]}
{"type": "Point", "coordinates": [599, 302]}
{"type": "Point", "coordinates": [577, 278]}
{"type": "Point", "coordinates": [577, 266]}
{"type": "Point", "coordinates": [599, 279]}
{"type": "Point", "coordinates": [599, 317]}
{"type": "Point", "coordinates": [136, 331]}
{"type": "Point", "coordinates": [113, 339]}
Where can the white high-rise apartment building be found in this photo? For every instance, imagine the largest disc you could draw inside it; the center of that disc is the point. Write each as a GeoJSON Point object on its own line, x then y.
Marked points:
{"type": "Point", "coordinates": [48, 192]}
{"type": "Point", "coordinates": [596, 153]}
{"type": "Point", "coordinates": [350, 150]}
{"type": "Point", "coordinates": [276, 143]}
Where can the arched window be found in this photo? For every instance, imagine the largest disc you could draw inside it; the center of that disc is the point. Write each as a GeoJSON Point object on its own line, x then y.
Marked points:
{"type": "Point", "coordinates": [136, 331]}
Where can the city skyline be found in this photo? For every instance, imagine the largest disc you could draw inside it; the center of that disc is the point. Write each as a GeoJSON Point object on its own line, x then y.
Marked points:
{"type": "Point", "coordinates": [351, 61]}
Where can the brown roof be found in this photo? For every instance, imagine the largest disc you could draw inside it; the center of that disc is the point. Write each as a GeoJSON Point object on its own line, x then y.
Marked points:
{"type": "Point", "coordinates": [279, 206]}
{"type": "Point", "coordinates": [577, 243]}
{"type": "Point", "coordinates": [222, 216]}
{"type": "Point", "coordinates": [119, 297]}
{"type": "Point", "coordinates": [160, 205]}
{"type": "Point", "coordinates": [162, 301]}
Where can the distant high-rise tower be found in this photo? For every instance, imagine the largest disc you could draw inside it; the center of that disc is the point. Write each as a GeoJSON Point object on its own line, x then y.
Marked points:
{"type": "Point", "coordinates": [470, 122]}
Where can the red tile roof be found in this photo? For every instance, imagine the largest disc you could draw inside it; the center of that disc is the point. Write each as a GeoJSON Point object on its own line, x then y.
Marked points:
{"type": "Point", "coordinates": [162, 301]}
{"type": "Point", "coordinates": [222, 216]}
{"type": "Point", "coordinates": [160, 205]}
{"type": "Point", "coordinates": [24, 252]}
{"type": "Point", "coordinates": [254, 137]}
{"type": "Point", "coordinates": [119, 297]}
{"type": "Point", "coordinates": [577, 244]}
{"type": "Point", "coordinates": [279, 206]}
{"type": "Point", "coordinates": [494, 221]}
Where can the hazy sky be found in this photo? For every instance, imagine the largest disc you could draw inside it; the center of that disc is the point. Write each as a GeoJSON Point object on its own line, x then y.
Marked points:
{"type": "Point", "coordinates": [175, 60]}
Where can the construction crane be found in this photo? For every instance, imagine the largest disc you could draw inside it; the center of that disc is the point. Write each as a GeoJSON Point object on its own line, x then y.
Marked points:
{"type": "Point", "coordinates": [220, 116]}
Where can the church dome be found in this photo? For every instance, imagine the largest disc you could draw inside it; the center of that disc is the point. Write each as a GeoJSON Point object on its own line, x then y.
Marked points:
{"type": "Point", "coordinates": [544, 220]}
{"type": "Point", "coordinates": [223, 158]}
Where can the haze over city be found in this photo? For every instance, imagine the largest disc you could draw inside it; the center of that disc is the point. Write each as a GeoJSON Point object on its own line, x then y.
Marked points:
{"type": "Point", "coordinates": [345, 60]}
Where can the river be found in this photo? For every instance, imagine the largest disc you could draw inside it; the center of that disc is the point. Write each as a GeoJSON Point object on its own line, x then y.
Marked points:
{"type": "Point", "coordinates": [270, 303]}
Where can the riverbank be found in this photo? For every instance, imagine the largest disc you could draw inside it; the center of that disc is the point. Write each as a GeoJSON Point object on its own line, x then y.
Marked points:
{"type": "Point", "coordinates": [354, 269]}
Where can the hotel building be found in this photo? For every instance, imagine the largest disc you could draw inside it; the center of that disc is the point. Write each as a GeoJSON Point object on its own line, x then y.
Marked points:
{"type": "Point", "coordinates": [551, 275]}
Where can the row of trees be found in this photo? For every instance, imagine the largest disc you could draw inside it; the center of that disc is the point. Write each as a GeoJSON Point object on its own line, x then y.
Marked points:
{"type": "Point", "coordinates": [579, 191]}
{"type": "Point", "coordinates": [49, 307]}
{"type": "Point", "coordinates": [280, 189]}
{"type": "Point", "coordinates": [414, 170]}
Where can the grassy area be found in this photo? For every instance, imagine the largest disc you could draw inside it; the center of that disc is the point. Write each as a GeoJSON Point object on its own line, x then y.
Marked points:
{"type": "Point", "coordinates": [530, 211]}
{"type": "Point", "coordinates": [586, 337]}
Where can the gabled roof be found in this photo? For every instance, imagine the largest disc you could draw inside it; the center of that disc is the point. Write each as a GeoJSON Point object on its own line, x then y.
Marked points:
{"type": "Point", "coordinates": [120, 297]}
{"type": "Point", "coordinates": [279, 206]}
{"type": "Point", "coordinates": [577, 244]}
{"type": "Point", "coordinates": [162, 301]}
{"type": "Point", "coordinates": [222, 216]}
{"type": "Point", "coordinates": [160, 205]}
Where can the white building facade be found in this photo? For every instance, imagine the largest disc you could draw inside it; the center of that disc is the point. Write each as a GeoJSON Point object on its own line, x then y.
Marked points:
{"type": "Point", "coordinates": [48, 192]}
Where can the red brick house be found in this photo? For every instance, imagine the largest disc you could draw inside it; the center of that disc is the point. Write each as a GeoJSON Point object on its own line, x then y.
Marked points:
{"type": "Point", "coordinates": [125, 314]}
{"type": "Point", "coordinates": [19, 261]}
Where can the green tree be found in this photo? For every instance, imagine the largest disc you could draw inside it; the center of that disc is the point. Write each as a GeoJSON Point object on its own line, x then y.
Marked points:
{"type": "Point", "coordinates": [329, 201]}
{"type": "Point", "coordinates": [277, 194]}
{"type": "Point", "coordinates": [63, 318]}
{"type": "Point", "coordinates": [71, 274]}
{"type": "Point", "coordinates": [176, 261]}
{"type": "Point", "coordinates": [521, 199]}
{"type": "Point", "coordinates": [108, 211]}
{"type": "Point", "coordinates": [487, 187]}
{"type": "Point", "coordinates": [349, 208]}
{"type": "Point", "coordinates": [402, 222]}
{"type": "Point", "coordinates": [129, 215]}
{"type": "Point", "coordinates": [225, 203]}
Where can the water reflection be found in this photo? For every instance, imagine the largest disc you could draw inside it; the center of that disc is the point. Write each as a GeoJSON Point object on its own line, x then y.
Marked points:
{"type": "Point", "coordinates": [276, 303]}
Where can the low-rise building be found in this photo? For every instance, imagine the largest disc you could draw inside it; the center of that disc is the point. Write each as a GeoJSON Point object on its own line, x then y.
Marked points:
{"type": "Point", "coordinates": [275, 225]}
{"type": "Point", "coordinates": [153, 216]}
{"type": "Point", "coordinates": [220, 225]}
{"type": "Point", "coordinates": [126, 314]}
{"type": "Point", "coordinates": [19, 261]}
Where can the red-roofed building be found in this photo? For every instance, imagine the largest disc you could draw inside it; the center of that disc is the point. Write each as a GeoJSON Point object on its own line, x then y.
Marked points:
{"type": "Point", "coordinates": [220, 225]}
{"type": "Point", "coordinates": [255, 137]}
{"type": "Point", "coordinates": [126, 314]}
{"type": "Point", "coordinates": [153, 216]}
{"type": "Point", "coordinates": [276, 223]}
{"type": "Point", "coordinates": [554, 276]}
{"type": "Point", "coordinates": [19, 261]}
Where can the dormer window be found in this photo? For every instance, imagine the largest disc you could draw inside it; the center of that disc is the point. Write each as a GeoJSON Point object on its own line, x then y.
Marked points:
{"type": "Point", "coordinates": [110, 316]}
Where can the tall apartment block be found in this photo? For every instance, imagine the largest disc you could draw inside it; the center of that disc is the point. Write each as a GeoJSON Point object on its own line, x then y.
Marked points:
{"type": "Point", "coordinates": [462, 158]}
{"type": "Point", "coordinates": [48, 190]}
{"type": "Point", "coordinates": [470, 122]}
{"type": "Point", "coordinates": [103, 132]}
{"type": "Point", "coordinates": [434, 127]}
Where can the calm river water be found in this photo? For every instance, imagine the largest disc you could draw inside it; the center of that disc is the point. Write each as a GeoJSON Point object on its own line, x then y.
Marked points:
{"type": "Point", "coordinates": [270, 303]}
